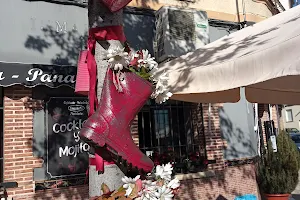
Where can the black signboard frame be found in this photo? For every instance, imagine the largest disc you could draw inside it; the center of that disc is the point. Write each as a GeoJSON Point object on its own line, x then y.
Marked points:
{"type": "Point", "coordinates": [74, 109]}
{"type": "Point", "coordinates": [31, 75]}
{"type": "Point", "coordinates": [81, 3]}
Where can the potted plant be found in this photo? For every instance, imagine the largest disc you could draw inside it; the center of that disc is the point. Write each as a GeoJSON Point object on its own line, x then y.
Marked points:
{"type": "Point", "coordinates": [278, 171]}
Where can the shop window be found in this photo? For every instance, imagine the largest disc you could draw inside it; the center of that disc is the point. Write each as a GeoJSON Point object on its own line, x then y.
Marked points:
{"type": "Point", "coordinates": [167, 133]}
{"type": "Point", "coordinates": [289, 115]}
{"type": "Point", "coordinates": [1, 136]}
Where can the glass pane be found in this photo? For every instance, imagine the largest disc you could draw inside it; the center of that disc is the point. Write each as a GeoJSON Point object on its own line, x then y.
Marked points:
{"type": "Point", "coordinates": [175, 126]}
{"type": "Point", "coordinates": [182, 131]}
{"type": "Point", "coordinates": [162, 127]}
{"type": "Point", "coordinates": [147, 129]}
{"type": "Point", "coordinates": [289, 115]}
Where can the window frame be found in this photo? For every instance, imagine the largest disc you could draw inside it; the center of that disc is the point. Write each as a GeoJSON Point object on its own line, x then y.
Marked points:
{"type": "Point", "coordinates": [194, 146]}
{"type": "Point", "coordinates": [286, 115]}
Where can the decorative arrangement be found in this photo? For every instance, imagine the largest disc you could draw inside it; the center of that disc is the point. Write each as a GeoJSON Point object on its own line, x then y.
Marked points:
{"type": "Point", "coordinates": [278, 171]}
{"type": "Point", "coordinates": [132, 77]}
{"type": "Point", "coordinates": [142, 64]}
{"type": "Point", "coordinates": [158, 185]}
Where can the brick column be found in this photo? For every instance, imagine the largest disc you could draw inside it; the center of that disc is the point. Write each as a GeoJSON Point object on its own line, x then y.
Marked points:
{"type": "Point", "coordinates": [18, 133]}
{"type": "Point", "coordinates": [198, 126]}
{"type": "Point", "coordinates": [214, 142]}
{"type": "Point", "coordinates": [134, 129]}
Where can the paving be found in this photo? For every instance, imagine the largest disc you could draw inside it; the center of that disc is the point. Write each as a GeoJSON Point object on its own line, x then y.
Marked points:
{"type": "Point", "coordinates": [296, 192]}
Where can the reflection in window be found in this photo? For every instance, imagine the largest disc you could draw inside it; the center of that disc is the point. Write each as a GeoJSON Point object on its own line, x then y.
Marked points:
{"type": "Point", "coordinates": [162, 128]}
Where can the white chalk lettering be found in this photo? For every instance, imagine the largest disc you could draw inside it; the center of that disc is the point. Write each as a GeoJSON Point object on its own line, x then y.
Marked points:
{"type": "Point", "coordinates": [71, 126]}
{"type": "Point", "coordinates": [73, 150]}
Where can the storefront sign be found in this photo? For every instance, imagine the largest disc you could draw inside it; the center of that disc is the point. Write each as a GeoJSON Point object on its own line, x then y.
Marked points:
{"type": "Point", "coordinates": [31, 75]}
{"type": "Point", "coordinates": [67, 155]}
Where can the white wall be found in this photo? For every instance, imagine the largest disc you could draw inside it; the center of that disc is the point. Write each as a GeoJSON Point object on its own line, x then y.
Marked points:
{"type": "Point", "coordinates": [286, 4]}
{"type": "Point", "coordinates": [295, 123]}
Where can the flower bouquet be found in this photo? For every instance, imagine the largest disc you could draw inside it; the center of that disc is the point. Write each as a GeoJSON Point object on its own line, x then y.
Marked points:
{"type": "Point", "coordinates": [158, 185]}
{"type": "Point", "coordinates": [142, 64]}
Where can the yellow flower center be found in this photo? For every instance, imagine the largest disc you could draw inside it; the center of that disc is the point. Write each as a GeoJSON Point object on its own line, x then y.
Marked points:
{"type": "Point", "coordinates": [117, 57]}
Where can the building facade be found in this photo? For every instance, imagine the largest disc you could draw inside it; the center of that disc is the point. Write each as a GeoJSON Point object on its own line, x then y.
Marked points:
{"type": "Point", "coordinates": [291, 118]}
{"type": "Point", "coordinates": [40, 149]}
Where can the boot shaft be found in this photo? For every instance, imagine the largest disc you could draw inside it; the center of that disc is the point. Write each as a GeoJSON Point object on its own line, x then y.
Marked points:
{"type": "Point", "coordinates": [136, 91]}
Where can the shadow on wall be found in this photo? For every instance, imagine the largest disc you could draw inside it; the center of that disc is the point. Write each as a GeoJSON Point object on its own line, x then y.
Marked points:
{"type": "Point", "coordinates": [80, 192]}
{"type": "Point", "coordinates": [240, 143]}
{"type": "Point", "coordinates": [227, 184]}
{"type": "Point", "coordinates": [70, 43]}
{"type": "Point", "coordinates": [139, 30]}
{"type": "Point", "coordinates": [139, 27]}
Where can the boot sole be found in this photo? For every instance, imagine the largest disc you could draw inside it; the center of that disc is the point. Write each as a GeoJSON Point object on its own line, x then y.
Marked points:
{"type": "Point", "coordinates": [96, 140]}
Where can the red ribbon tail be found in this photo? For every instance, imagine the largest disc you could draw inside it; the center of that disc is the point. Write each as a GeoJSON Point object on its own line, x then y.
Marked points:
{"type": "Point", "coordinates": [98, 162]}
{"type": "Point", "coordinates": [92, 67]}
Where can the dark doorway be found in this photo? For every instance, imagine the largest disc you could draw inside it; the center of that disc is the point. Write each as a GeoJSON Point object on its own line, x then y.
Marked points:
{"type": "Point", "coordinates": [1, 136]}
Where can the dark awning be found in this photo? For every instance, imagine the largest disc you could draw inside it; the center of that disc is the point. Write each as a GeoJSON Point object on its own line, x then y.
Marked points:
{"type": "Point", "coordinates": [31, 75]}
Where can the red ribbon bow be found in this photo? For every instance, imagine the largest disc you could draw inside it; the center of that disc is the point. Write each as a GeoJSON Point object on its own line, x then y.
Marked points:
{"type": "Point", "coordinates": [99, 33]}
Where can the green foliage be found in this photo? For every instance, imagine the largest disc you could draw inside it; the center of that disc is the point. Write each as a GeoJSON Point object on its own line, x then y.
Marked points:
{"type": "Point", "coordinates": [142, 72]}
{"type": "Point", "coordinates": [278, 171]}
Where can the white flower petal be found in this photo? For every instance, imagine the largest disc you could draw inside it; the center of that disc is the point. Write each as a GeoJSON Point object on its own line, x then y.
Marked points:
{"type": "Point", "coordinates": [137, 178]}
{"type": "Point", "coordinates": [173, 183]}
{"type": "Point", "coordinates": [128, 191]}
{"type": "Point", "coordinates": [111, 60]}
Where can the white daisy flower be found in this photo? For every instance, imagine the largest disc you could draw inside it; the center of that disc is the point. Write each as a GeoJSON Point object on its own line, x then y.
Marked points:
{"type": "Point", "coordinates": [161, 93]}
{"type": "Point", "coordinates": [164, 171]}
{"type": "Point", "coordinates": [129, 184]}
{"type": "Point", "coordinates": [147, 61]}
{"type": "Point", "coordinates": [164, 193]}
{"type": "Point", "coordinates": [117, 58]}
{"type": "Point", "coordinates": [149, 190]}
{"type": "Point", "coordinates": [163, 97]}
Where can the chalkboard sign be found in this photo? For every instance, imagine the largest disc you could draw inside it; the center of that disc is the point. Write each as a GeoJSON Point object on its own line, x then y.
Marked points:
{"type": "Point", "coordinates": [67, 155]}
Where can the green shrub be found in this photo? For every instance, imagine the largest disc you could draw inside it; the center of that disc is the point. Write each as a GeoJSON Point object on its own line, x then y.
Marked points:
{"type": "Point", "coordinates": [278, 171]}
